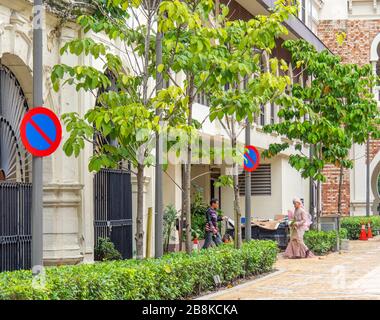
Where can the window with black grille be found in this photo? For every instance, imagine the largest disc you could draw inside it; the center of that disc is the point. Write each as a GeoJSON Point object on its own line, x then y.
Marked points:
{"type": "Point", "coordinates": [261, 181]}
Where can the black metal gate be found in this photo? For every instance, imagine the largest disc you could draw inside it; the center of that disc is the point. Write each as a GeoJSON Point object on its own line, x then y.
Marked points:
{"type": "Point", "coordinates": [113, 209]}
{"type": "Point", "coordinates": [15, 172]}
{"type": "Point", "coordinates": [15, 226]}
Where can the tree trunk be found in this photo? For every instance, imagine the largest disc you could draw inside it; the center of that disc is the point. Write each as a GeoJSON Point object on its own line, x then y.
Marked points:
{"type": "Point", "coordinates": [140, 213]}
{"type": "Point", "coordinates": [341, 173]}
{"type": "Point", "coordinates": [187, 200]}
{"type": "Point", "coordinates": [313, 200]}
{"type": "Point", "coordinates": [318, 205]}
{"type": "Point", "coordinates": [187, 178]}
{"type": "Point", "coordinates": [318, 150]}
{"type": "Point", "coordinates": [182, 219]}
{"type": "Point", "coordinates": [237, 211]}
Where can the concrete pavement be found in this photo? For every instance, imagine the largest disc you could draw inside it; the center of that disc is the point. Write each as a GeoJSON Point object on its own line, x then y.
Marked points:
{"type": "Point", "coordinates": [354, 274]}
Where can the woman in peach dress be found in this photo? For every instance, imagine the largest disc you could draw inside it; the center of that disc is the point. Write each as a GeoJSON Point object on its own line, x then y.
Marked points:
{"type": "Point", "coordinates": [301, 222]}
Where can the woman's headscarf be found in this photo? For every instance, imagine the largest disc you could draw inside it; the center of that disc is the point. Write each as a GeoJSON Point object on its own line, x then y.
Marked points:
{"type": "Point", "coordinates": [309, 221]}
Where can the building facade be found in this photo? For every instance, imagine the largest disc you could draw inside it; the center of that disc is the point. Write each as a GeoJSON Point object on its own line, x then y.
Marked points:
{"type": "Point", "coordinates": [70, 191]}
{"type": "Point", "coordinates": [360, 21]}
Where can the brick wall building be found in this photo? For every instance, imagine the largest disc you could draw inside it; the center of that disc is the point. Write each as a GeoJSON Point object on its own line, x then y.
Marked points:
{"type": "Point", "coordinates": [362, 28]}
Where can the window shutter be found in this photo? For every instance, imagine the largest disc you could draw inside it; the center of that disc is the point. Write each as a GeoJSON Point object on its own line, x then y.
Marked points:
{"type": "Point", "coordinates": [261, 181]}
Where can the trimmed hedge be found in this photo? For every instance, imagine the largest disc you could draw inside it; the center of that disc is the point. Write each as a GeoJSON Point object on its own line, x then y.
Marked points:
{"type": "Point", "coordinates": [354, 225]}
{"type": "Point", "coordinates": [175, 276]}
{"type": "Point", "coordinates": [322, 242]}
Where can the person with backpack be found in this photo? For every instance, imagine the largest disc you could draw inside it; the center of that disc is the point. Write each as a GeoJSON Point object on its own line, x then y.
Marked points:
{"type": "Point", "coordinates": [212, 219]}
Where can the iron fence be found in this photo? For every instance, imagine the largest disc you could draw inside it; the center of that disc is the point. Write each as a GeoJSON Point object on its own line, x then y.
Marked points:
{"type": "Point", "coordinates": [15, 226]}
{"type": "Point", "coordinates": [113, 209]}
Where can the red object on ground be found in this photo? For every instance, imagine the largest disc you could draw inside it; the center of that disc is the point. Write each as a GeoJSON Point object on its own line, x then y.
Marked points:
{"type": "Point", "coordinates": [363, 234]}
{"type": "Point", "coordinates": [369, 232]}
{"type": "Point", "coordinates": [195, 244]}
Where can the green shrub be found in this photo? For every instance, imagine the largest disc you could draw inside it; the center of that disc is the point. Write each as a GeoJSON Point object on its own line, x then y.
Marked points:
{"type": "Point", "coordinates": [354, 225]}
{"type": "Point", "coordinates": [105, 251]}
{"type": "Point", "coordinates": [175, 276]}
{"type": "Point", "coordinates": [322, 242]}
{"type": "Point", "coordinates": [198, 224]}
{"type": "Point", "coordinates": [198, 214]}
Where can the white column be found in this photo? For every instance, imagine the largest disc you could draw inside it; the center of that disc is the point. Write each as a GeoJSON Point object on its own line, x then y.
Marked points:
{"type": "Point", "coordinates": [358, 180]}
{"type": "Point", "coordinates": [148, 203]}
{"type": "Point", "coordinates": [86, 215]}
{"type": "Point", "coordinates": [63, 236]}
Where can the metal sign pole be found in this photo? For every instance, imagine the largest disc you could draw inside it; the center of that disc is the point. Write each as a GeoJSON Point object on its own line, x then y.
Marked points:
{"type": "Point", "coordinates": [248, 194]}
{"type": "Point", "coordinates": [37, 188]}
{"type": "Point", "coordinates": [159, 168]}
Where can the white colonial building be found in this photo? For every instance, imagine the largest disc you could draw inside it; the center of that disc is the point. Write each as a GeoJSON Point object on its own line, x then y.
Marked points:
{"type": "Point", "coordinates": [74, 200]}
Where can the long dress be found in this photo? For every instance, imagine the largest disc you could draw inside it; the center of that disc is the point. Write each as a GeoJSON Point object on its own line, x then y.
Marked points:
{"type": "Point", "coordinates": [296, 247]}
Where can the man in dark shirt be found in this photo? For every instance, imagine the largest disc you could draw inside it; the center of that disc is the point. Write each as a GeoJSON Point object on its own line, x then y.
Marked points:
{"type": "Point", "coordinates": [212, 219]}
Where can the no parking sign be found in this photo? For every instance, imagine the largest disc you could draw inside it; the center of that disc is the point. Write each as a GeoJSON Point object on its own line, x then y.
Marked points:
{"type": "Point", "coordinates": [41, 132]}
{"type": "Point", "coordinates": [251, 158]}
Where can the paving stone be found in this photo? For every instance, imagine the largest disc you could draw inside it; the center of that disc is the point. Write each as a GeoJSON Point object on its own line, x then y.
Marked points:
{"type": "Point", "coordinates": [352, 275]}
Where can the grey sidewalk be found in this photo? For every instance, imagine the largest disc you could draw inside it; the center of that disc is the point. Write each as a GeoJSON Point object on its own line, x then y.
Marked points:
{"type": "Point", "coordinates": [351, 275]}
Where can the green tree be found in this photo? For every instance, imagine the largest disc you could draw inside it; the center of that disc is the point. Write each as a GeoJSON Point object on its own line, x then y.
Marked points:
{"type": "Point", "coordinates": [335, 110]}
{"type": "Point", "coordinates": [240, 84]}
{"type": "Point", "coordinates": [124, 118]}
{"type": "Point", "coordinates": [212, 53]}
{"type": "Point", "coordinates": [188, 43]}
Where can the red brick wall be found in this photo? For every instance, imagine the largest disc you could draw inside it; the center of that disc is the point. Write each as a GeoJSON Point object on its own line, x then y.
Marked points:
{"type": "Point", "coordinates": [374, 148]}
{"type": "Point", "coordinates": [330, 191]}
{"type": "Point", "coordinates": [360, 34]}
{"type": "Point", "coordinates": [355, 49]}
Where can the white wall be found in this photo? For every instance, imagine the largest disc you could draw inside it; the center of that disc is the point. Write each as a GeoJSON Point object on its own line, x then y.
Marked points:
{"type": "Point", "coordinates": [334, 10]}
{"type": "Point", "coordinates": [293, 185]}
{"type": "Point", "coordinates": [266, 207]}
{"type": "Point", "coordinates": [286, 184]}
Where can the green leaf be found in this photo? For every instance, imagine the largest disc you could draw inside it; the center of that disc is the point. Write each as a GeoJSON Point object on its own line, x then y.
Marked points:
{"type": "Point", "coordinates": [160, 68]}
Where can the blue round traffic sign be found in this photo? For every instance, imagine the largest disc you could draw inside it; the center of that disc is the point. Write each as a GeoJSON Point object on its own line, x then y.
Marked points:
{"type": "Point", "coordinates": [251, 158]}
{"type": "Point", "coordinates": [41, 132]}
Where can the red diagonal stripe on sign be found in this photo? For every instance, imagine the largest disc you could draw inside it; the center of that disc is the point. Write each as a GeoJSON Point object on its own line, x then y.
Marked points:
{"type": "Point", "coordinates": [39, 130]}
{"type": "Point", "coordinates": [250, 159]}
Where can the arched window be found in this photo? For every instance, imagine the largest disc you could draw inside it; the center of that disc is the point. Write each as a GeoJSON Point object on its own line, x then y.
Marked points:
{"type": "Point", "coordinates": [99, 139]}
{"type": "Point", "coordinates": [15, 161]}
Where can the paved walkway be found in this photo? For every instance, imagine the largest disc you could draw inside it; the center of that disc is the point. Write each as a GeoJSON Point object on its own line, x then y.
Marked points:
{"type": "Point", "coordinates": [354, 274]}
